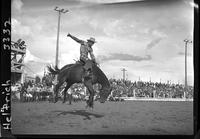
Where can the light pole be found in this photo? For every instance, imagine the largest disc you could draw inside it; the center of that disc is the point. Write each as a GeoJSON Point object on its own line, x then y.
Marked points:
{"type": "Point", "coordinates": [124, 70]}
{"type": "Point", "coordinates": [57, 43]}
{"type": "Point", "coordinates": [186, 42]}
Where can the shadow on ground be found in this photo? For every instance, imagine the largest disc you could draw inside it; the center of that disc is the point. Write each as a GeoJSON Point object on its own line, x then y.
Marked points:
{"type": "Point", "coordinates": [83, 113]}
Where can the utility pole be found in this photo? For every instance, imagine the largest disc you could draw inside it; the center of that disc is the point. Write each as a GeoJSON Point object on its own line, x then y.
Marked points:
{"type": "Point", "coordinates": [57, 44]}
{"type": "Point", "coordinates": [186, 42]}
{"type": "Point", "coordinates": [44, 72]}
{"type": "Point", "coordinates": [124, 70]}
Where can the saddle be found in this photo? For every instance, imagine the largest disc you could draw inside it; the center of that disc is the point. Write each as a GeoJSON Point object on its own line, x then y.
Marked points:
{"type": "Point", "coordinates": [87, 67]}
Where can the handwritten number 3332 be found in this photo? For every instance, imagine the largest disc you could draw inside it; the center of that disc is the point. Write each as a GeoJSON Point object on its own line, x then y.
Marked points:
{"type": "Point", "coordinates": [5, 31]}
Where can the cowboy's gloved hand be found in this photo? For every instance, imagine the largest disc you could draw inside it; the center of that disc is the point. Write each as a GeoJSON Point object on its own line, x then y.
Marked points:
{"type": "Point", "coordinates": [95, 62]}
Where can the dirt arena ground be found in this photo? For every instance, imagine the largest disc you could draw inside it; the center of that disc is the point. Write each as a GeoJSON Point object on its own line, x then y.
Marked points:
{"type": "Point", "coordinates": [128, 117]}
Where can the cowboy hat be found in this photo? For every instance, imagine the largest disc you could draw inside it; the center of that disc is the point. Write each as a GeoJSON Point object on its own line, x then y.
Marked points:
{"type": "Point", "coordinates": [92, 40]}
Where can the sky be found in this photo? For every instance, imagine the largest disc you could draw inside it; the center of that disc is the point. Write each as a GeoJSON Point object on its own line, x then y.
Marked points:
{"type": "Point", "coordinates": [143, 36]}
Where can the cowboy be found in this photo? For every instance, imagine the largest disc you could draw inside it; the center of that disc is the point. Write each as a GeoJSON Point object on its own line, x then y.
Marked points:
{"type": "Point", "coordinates": [86, 47]}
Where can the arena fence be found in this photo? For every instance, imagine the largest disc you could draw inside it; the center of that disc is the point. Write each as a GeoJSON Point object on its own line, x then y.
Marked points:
{"type": "Point", "coordinates": [156, 99]}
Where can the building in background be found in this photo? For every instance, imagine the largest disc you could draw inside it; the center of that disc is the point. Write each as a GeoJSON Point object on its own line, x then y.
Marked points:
{"type": "Point", "coordinates": [28, 78]}
{"type": "Point", "coordinates": [18, 52]}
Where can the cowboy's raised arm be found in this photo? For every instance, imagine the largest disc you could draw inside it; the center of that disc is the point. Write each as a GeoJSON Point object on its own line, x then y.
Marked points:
{"type": "Point", "coordinates": [74, 38]}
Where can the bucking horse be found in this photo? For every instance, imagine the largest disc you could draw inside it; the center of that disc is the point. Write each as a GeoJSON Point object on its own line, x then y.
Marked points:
{"type": "Point", "coordinates": [73, 73]}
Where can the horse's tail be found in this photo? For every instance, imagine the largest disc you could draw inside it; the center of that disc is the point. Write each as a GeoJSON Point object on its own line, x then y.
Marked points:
{"type": "Point", "coordinates": [53, 71]}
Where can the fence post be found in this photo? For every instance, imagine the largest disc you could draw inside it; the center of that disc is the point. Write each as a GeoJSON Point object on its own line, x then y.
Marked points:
{"type": "Point", "coordinates": [134, 93]}
{"type": "Point", "coordinates": [154, 93]}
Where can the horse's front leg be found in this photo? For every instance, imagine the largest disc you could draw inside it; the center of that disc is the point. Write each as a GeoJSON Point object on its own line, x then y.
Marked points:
{"type": "Point", "coordinates": [91, 97]}
{"type": "Point", "coordinates": [89, 103]}
{"type": "Point", "coordinates": [91, 100]}
{"type": "Point", "coordinates": [65, 92]}
{"type": "Point", "coordinates": [55, 97]}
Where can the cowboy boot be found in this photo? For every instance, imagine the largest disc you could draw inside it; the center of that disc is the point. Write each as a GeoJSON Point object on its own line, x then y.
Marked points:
{"type": "Point", "coordinates": [86, 74]}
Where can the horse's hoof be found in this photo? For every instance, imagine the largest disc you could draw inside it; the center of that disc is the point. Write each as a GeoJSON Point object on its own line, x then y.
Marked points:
{"type": "Point", "coordinates": [87, 106]}
{"type": "Point", "coordinates": [90, 105]}
{"type": "Point", "coordinates": [55, 99]}
{"type": "Point", "coordinates": [91, 108]}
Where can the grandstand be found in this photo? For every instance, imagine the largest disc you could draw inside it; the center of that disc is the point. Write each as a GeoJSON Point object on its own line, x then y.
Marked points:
{"type": "Point", "coordinates": [149, 91]}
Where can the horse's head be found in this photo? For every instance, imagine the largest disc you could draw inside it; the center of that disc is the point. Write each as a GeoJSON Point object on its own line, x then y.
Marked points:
{"type": "Point", "coordinates": [104, 93]}
{"type": "Point", "coordinates": [103, 81]}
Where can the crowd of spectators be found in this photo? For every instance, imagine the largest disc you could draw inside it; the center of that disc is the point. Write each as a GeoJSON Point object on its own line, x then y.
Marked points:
{"type": "Point", "coordinates": [120, 88]}
{"type": "Point", "coordinates": [149, 89]}
{"type": "Point", "coordinates": [30, 91]}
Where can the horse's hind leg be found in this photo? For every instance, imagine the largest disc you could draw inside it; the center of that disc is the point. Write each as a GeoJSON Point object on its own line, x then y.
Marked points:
{"type": "Point", "coordinates": [65, 91]}
{"type": "Point", "coordinates": [70, 98]}
{"type": "Point", "coordinates": [56, 91]}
